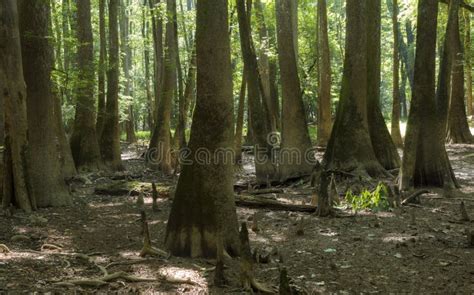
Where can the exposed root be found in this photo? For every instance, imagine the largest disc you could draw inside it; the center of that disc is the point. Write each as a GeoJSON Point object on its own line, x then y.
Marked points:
{"type": "Point", "coordinates": [128, 262]}
{"type": "Point", "coordinates": [148, 249]}
{"type": "Point", "coordinates": [4, 249]}
{"type": "Point", "coordinates": [104, 280]}
{"type": "Point", "coordinates": [50, 247]}
{"type": "Point", "coordinates": [411, 198]}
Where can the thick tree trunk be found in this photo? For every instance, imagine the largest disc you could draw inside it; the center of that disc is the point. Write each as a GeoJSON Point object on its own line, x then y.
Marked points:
{"type": "Point", "coordinates": [84, 142]}
{"type": "Point", "coordinates": [458, 127]}
{"type": "Point", "coordinates": [64, 148]}
{"type": "Point", "coordinates": [203, 210]}
{"type": "Point", "coordinates": [2, 122]}
{"type": "Point", "coordinates": [46, 179]}
{"type": "Point", "coordinates": [157, 28]}
{"type": "Point", "coordinates": [159, 151]}
{"type": "Point", "coordinates": [396, 106]}
{"type": "Point", "coordinates": [425, 161]}
{"type": "Point", "coordinates": [324, 73]}
{"type": "Point", "coordinates": [384, 148]}
{"type": "Point", "coordinates": [296, 145]}
{"type": "Point", "coordinates": [264, 166]}
{"type": "Point", "coordinates": [102, 69]}
{"type": "Point", "coordinates": [110, 138]}
{"type": "Point", "coordinates": [17, 187]}
{"type": "Point", "coordinates": [467, 56]}
{"type": "Point", "coordinates": [350, 146]}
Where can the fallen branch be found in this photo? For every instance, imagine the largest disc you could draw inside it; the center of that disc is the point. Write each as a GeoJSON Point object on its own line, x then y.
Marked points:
{"type": "Point", "coordinates": [259, 202]}
{"type": "Point", "coordinates": [264, 191]}
{"type": "Point", "coordinates": [413, 196]}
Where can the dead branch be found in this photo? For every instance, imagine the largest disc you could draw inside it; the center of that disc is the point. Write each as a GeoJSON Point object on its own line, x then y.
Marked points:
{"type": "Point", "coordinates": [4, 249]}
{"type": "Point", "coordinates": [413, 196]}
{"type": "Point", "coordinates": [259, 202]}
{"type": "Point", "coordinates": [265, 191]}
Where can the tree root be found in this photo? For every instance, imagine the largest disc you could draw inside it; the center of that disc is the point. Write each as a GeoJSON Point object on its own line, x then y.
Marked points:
{"type": "Point", "coordinates": [4, 249]}
{"type": "Point", "coordinates": [414, 196]}
{"type": "Point", "coordinates": [50, 247]}
{"type": "Point", "coordinates": [105, 280]}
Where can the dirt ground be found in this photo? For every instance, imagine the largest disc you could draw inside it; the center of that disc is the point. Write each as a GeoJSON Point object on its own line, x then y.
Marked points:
{"type": "Point", "coordinates": [420, 248]}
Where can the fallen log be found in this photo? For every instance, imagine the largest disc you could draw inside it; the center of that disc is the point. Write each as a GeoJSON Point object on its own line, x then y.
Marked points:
{"type": "Point", "coordinates": [264, 203]}
{"type": "Point", "coordinates": [264, 191]}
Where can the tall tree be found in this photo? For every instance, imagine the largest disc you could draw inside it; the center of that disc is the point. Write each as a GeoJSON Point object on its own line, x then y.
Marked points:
{"type": "Point", "coordinates": [239, 124]}
{"type": "Point", "coordinates": [458, 127]}
{"type": "Point", "coordinates": [203, 210]}
{"type": "Point", "coordinates": [384, 148]}
{"type": "Point", "coordinates": [264, 166]}
{"type": "Point", "coordinates": [37, 54]}
{"type": "Point", "coordinates": [324, 73]}
{"type": "Point", "coordinates": [425, 161]}
{"type": "Point", "coordinates": [84, 142]}
{"type": "Point", "coordinates": [296, 142]}
{"type": "Point", "coordinates": [396, 105]}
{"type": "Point", "coordinates": [17, 187]}
{"type": "Point", "coordinates": [350, 146]}
{"type": "Point", "coordinates": [159, 154]}
{"type": "Point", "coordinates": [157, 28]}
{"type": "Point", "coordinates": [102, 69]}
{"type": "Point", "coordinates": [110, 137]}
{"type": "Point", "coordinates": [467, 55]}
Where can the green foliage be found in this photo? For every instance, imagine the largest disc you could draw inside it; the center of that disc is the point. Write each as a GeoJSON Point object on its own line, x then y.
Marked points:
{"type": "Point", "coordinates": [376, 200]}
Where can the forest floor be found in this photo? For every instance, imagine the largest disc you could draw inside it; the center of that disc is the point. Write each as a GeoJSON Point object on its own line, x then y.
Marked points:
{"type": "Point", "coordinates": [421, 248]}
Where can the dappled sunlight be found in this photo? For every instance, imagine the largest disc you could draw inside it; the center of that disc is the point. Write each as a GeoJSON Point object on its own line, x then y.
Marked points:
{"type": "Point", "coordinates": [397, 238]}
{"type": "Point", "coordinates": [183, 274]}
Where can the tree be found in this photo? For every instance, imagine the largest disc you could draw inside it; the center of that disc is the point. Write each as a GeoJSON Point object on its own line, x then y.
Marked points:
{"type": "Point", "coordinates": [84, 142]}
{"type": "Point", "coordinates": [203, 210]}
{"type": "Point", "coordinates": [458, 127]}
{"type": "Point", "coordinates": [157, 28]}
{"type": "Point", "coordinates": [383, 146]}
{"type": "Point", "coordinates": [265, 168]}
{"type": "Point", "coordinates": [37, 54]}
{"type": "Point", "coordinates": [396, 105]}
{"type": "Point", "coordinates": [467, 50]}
{"type": "Point", "coordinates": [102, 69]}
{"type": "Point", "coordinates": [110, 137]}
{"type": "Point", "coordinates": [425, 161]}
{"type": "Point", "coordinates": [159, 154]}
{"type": "Point", "coordinates": [16, 182]}
{"type": "Point", "coordinates": [324, 91]}
{"type": "Point", "coordinates": [295, 137]}
{"type": "Point", "coordinates": [350, 146]}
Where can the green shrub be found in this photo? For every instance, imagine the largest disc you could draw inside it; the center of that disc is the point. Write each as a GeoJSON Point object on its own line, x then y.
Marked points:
{"type": "Point", "coordinates": [376, 200]}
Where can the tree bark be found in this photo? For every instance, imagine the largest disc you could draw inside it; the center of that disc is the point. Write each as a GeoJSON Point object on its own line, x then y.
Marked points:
{"type": "Point", "coordinates": [384, 148]}
{"type": "Point", "coordinates": [240, 120]}
{"type": "Point", "coordinates": [102, 69]}
{"type": "Point", "coordinates": [396, 106]}
{"type": "Point", "coordinates": [110, 138]}
{"type": "Point", "coordinates": [324, 73]}
{"type": "Point", "coordinates": [350, 146]}
{"type": "Point", "coordinates": [16, 181]}
{"type": "Point", "coordinates": [458, 127]}
{"type": "Point", "coordinates": [84, 142]}
{"type": "Point", "coordinates": [157, 28]}
{"type": "Point", "coordinates": [204, 206]}
{"type": "Point", "coordinates": [467, 56]}
{"type": "Point", "coordinates": [37, 54]}
{"type": "Point", "coordinates": [159, 151]}
{"type": "Point", "coordinates": [425, 161]}
{"type": "Point", "coordinates": [264, 166]}
{"type": "Point", "coordinates": [296, 144]}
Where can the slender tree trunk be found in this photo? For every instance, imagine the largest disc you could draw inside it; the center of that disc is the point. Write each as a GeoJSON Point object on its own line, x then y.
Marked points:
{"type": "Point", "coordinates": [296, 144]}
{"type": "Point", "coordinates": [240, 120]}
{"type": "Point", "coordinates": [102, 69]}
{"type": "Point", "coordinates": [159, 151]}
{"type": "Point", "coordinates": [467, 56]}
{"type": "Point", "coordinates": [324, 91]}
{"type": "Point", "coordinates": [157, 27]}
{"type": "Point", "coordinates": [403, 94]}
{"type": "Point", "coordinates": [350, 146]}
{"type": "Point", "coordinates": [146, 57]}
{"type": "Point", "coordinates": [37, 54]}
{"type": "Point", "coordinates": [264, 166]}
{"type": "Point", "coordinates": [17, 187]}
{"type": "Point", "coordinates": [425, 161]}
{"type": "Point", "coordinates": [84, 142]}
{"type": "Point", "coordinates": [2, 122]}
{"type": "Point", "coordinates": [384, 148]}
{"type": "Point", "coordinates": [396, 113]}
{"type": "Point", "coordinates": [458, 127]}
{"type": "Point", "coordinates": [110, 138]}
{"type": "Point", "coordinates": [203, 210]}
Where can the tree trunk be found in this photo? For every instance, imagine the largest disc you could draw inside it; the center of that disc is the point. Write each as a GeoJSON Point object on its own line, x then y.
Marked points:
{"type": "Point", "coordinates": [264, 166]}
{"type": "Point", "coordinates": [64, 148]}
{"type": "Point", "coordinates": [403, 94]}
{"type": "Point", "coordinates": [324, 73]}
{"type": "Point", "coordinates": [350, 146]}
{"type": "Point", "coordinates": [204, 207]}
{"type": "Point", "coordinates": [159, 151]}
{"type": "Point", "coordinates": [240, 120]}
{"type": "Point", "coordinates": [293, 8]}
{"type": "Point", "coordinates": [110, 138]}
{"type": "Point", "coordinates": [2, 122]}
{"type": "Point", "coordinates": [102, 69]}
{"type": "Point", "coordinates": [46, 179]}
{"type": "Point", "coordinates": [396, 106]}
{"type": "Point", "coordinates": [17, 187]}
{"type": "Point", "coordinates": [384, 148]}
{"type": "Point", "coordinates": [425, 161]}
{"type": "Point", "coordinates": [84, 142]}
{"type": "Point", "coordinates": [467, 56]}
{"type": "Point", "coordinates": [264, 69]}
{"type": "Point", "coordinates": [296, 144]}
{"type": "Point", "coordinates": [157, 28]}
{"type": "Point", "coordinates": [458, 127]}
{"type": "Point", "coordinates": [146, 57]}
